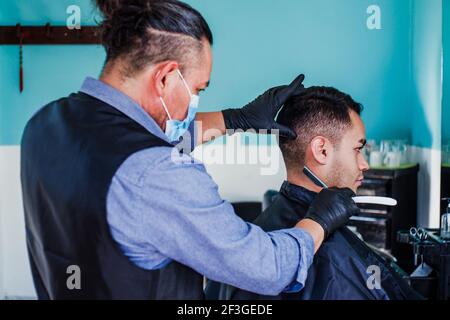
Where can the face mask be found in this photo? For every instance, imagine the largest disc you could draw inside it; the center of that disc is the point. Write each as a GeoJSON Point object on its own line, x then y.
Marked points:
{"type": "Point", "coordinates": [176, 128]}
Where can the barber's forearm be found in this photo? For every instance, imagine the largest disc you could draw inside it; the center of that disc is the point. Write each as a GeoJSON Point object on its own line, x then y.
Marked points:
{"type": "Point", "coordinates": [210, 125]}
{"type": "Point", "coordinates": [314, 229]}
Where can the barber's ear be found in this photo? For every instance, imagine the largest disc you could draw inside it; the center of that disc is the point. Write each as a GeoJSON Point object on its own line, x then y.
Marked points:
{"type": "Point", "coordinates": [320, 149]}
{"type": "Point", "coordinates": [163, 75]}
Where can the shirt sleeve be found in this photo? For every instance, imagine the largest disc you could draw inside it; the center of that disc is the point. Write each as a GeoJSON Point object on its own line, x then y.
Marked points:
{"type": "Point", "coordinates": [181, 215]}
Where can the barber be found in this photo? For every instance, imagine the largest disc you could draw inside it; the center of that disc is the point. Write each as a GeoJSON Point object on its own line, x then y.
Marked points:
{"type": "Point", "coordinates": [104, 196]}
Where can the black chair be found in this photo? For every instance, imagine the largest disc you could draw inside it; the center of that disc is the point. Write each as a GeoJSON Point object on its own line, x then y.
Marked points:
{"type": "Point", "coordinates": [269, 197]}
{"type": "Point", "coordinates": [247, 211]}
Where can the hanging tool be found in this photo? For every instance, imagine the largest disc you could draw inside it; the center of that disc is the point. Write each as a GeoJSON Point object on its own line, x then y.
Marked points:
{"type": "Point", "coordinates": [20, 35]}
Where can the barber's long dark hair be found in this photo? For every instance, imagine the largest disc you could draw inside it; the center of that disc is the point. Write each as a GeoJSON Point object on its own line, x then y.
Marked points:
{"type": "Point", "coordinates": [150, 31]}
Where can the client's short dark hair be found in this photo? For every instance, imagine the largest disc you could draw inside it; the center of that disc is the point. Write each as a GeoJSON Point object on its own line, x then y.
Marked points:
{"type": "Point", "coordinates": [318, 111]}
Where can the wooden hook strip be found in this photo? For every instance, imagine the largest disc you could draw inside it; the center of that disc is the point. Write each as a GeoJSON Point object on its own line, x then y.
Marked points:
{"type": "Point", "coordinates": [48, 35]}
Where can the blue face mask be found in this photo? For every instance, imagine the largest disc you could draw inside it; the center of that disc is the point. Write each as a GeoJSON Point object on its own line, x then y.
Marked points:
{"type": "Point", "coordinates": [176, 128]}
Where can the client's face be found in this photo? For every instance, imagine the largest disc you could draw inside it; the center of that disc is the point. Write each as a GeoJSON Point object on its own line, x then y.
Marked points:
{"type": "Point", "coordinates": [348, 163]}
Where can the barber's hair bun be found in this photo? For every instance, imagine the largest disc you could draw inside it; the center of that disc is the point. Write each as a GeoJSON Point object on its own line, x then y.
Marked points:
{"type": "Point", "coordinates": [107, 7]}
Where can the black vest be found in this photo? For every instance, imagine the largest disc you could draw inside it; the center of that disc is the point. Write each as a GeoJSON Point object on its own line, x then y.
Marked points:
{"type": "Point", "coordinates": [71, 150]}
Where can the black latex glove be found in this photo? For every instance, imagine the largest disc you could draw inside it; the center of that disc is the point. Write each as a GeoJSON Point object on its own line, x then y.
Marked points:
{"type": "Point", "coordinates": [261, 112]}
{"type": "Point", "coordinates": [332, 208]}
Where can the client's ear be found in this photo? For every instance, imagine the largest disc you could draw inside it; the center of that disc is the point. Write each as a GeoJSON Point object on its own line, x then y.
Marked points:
{"type": "Point", "coordinates": [320, 149]}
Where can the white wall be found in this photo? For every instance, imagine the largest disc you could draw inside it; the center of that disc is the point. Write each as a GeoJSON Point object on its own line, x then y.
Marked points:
{"type": "Point", "coordinates": [429, 186]}
{"type": "Point", "coordinates": [14, 271]}
{"type": "Point", "coordinates": [243, 173]}
{"type": "Point", "coordinates": [2, 286]}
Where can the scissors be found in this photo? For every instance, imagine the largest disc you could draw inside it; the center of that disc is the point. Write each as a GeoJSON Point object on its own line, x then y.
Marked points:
{"type": "Point", "coordinates": [418, 233]}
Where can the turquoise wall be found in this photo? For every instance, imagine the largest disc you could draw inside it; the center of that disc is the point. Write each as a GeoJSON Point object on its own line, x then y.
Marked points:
{"type": "Point", "coordinates": [258, 44]}
{"type": "Point", "coordinates": [426, 91]}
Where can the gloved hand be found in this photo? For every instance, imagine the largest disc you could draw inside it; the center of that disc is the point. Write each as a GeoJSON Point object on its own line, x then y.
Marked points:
{"type": "Point", "coordinates": [332, 208]}
{"type": "Point", "coordinates": [261, 112]}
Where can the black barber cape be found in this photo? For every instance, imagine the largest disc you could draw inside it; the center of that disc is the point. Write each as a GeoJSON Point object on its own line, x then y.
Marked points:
{"type": "Point", "coordinates": [339, 269]}
{"type": "Point", "coordinates": [71, 150]}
